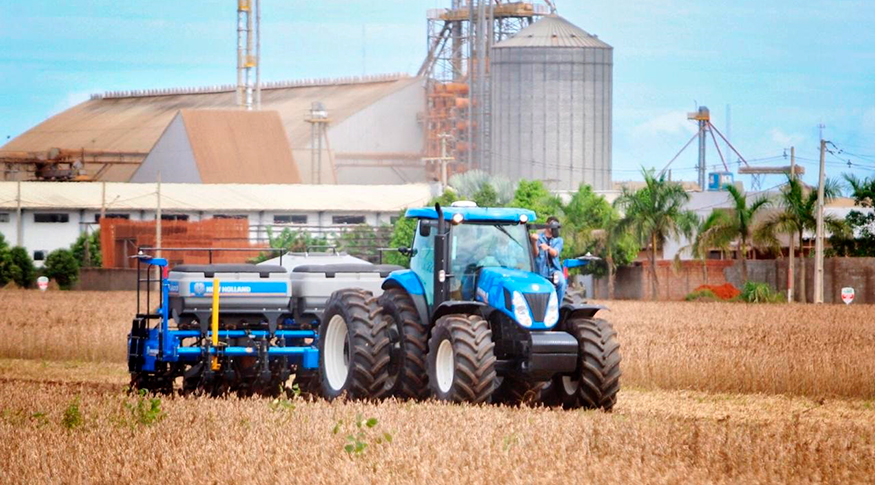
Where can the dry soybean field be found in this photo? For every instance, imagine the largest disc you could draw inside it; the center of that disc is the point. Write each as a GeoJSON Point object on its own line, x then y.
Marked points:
{"type": "Point", "coordinates": [712, 393]}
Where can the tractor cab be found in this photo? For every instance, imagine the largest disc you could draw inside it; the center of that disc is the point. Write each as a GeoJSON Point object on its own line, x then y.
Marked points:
{"type": "Point", "coordinates": [484, 256]}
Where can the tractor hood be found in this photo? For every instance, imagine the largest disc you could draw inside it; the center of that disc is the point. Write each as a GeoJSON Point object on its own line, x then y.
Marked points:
{"type": "Point", "coordinates": [527, 298]}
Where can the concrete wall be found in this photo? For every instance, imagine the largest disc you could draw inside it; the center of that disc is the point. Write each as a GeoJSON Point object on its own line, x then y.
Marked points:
{"type": "Point", "coordinates": [106, 279]}
{"type": "Point", "coordinates": [633, 282]}
{"type": "Point", "coordinates": [858, 273]}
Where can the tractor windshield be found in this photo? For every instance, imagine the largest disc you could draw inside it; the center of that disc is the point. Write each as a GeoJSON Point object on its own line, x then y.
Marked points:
{"type": "Point", "coordinates": [476, 246]}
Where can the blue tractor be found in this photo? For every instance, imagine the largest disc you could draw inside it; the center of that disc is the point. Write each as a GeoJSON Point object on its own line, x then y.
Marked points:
{"type": "Point", "coordinates": [470, 321]}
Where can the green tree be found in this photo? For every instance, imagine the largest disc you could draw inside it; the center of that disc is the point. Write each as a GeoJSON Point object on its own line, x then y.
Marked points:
{"type": "Point", "coordinates": [360, 241]}
{"type": "Point", "coordinates": [615, 244]}
{"type": "Point", "coordinates": [20, 267]}
{"type": "Point", "coordinates": [531, 194]}
{"type": "Point", "coordinates": [739, 224]}
{"type": "Point", "coordinates": [655, 213]}
{"type": "Point", "coordinates": [91, 257]}
{"type": "Point", "coordinates": [798, 213]}
{"type": "Point", "coordinates": [592, 226]}
{"type": "Point", "coordinates": [710, 232]}
{"type": "Point", "coordinates": [860, 238]}
{"type": "Point", "coordinates": [486, 197]}
{"type": "Point", "coordinates": [62, 267]}
{"type": "Point", "coordinates": [4, 261]}
{"type": "Point", "coordinates": [862, 190]}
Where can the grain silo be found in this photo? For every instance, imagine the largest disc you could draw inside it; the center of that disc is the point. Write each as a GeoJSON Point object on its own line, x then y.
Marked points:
{"type": "Point", "coordinates": [551, 107]}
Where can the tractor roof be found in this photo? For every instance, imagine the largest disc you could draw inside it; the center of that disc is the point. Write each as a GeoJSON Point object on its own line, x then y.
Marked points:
{"type": "Point", "coordinates": [485, 214]}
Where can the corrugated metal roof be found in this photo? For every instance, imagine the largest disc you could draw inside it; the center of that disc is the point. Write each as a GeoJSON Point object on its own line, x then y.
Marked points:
{"type": "Point", "coordinates": [246, 147]}
{"type": "Point", "coordinates": [553, 31]}
{"type": "Point", "coordinates": [216, 197]}
{"type": "Point", "coordinates": [133, 122]}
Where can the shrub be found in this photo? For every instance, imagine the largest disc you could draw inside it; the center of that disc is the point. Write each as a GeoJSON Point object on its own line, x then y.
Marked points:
{"type": "Point", "coordinates": [94, 258]}
{"type": "Point", "coordinates": [62, 267]}
{"type": "Point", "coordinates": [19, 267]}
{"type": "Point", "coordinates": [753, 292]}
{"type": "Point", "coordinates": [702, 295]}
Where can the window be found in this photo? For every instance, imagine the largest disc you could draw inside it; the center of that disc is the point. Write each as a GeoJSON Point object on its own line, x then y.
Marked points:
{"type": "Point", "coordinates": [51, 217]}
{"type": "Point", "coordinates": [174, 217]}
{"type": "Point", "coordinates": [39, 255]}
{"type": "Point", "coordinates": [338, 220]}
{"type": "Point", "coordinates": [4, 217]}
{"type": "Point", "coordinates": [112, 216]}
{"type": "Point", "coordinates": [230, 216]}
{"type": "Point", "coordinates": [290, 219]}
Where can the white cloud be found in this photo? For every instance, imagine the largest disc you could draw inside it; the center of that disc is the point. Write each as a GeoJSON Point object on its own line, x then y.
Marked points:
{"type": "Point", "coordinates": [671, 123]}
{"type": "Point", "coordinates": [784, 140]}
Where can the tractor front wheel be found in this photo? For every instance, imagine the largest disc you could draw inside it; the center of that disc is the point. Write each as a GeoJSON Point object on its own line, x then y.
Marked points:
{"type": "Point", "coordinates": [353, 348]}
{"type": "Point", "coordinates": [599, 362]}
{"type": "Point", "coordinates": [461, 359]}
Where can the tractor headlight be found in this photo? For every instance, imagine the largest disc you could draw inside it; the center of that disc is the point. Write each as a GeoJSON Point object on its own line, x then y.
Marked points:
{"type": "Point", "coordinates": [552, 316]}
{"type": "Point", "coordinates": [521, 310]}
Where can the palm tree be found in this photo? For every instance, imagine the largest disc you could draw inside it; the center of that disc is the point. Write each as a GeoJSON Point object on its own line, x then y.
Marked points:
{"type": "Point", "coordinates": [656, 212]}
{"type": "Point", "coordinates": [608, 239]}
{"type": "Point", "coordinates": [798, 214]}
{"type": "Point", "coordinates": [740, 222]}
{"type": "Point", "coordinates": [710, 232]}
{"type": "Point", "coordinates": [862, 190]}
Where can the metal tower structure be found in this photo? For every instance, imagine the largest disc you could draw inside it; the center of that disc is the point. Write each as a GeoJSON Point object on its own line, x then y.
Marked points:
{"type": "Point", "coordinates": [248, 53]}
{"type": "Point", "coordinates": [460, 39]}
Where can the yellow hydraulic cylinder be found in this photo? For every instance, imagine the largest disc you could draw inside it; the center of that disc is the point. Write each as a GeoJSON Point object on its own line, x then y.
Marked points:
{"type": "Point", "coordinates": [215, 322]}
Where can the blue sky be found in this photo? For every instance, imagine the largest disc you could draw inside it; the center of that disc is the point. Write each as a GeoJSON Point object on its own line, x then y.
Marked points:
{"type": "Point", "coordinates": [784, 67]}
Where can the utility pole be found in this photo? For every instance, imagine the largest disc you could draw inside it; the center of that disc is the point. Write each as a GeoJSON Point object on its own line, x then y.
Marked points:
{"type": "Point", "coordinates": [158, 218]}
{"type": "Point", "coordinates": [791, 283]}
{"type": "Point", "coordinates": [818, 248]}
{"type": "Point", "coordinates": [444, 160]}
{"type": "Point", "coordinates": [19, 237]}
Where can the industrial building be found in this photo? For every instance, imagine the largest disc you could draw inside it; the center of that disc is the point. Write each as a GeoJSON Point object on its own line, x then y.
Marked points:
{"type": "Point", "coordinates": [369, 124]}
{"type": "Point", "coordinates": [43, 216]}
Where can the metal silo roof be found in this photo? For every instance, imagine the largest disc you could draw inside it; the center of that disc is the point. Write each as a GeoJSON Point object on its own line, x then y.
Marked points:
{"type": "Point", "coordinates": [553, 31]}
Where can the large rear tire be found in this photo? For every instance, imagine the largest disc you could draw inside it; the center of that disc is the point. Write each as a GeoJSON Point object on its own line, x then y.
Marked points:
{"type": "Point", "coordinates": [599, 362]}
{"type": "Point", "coordinates": [353, 348]}
{"type": "Point", "coordinates": [408, 374]}
{"type": "Point", "coordinates": [461, 359]}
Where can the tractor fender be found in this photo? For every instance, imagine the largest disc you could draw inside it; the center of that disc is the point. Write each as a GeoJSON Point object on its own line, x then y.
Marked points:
{"type": "Point", "coordinates": [463, 307]}
{"type": "Point", "coordinates": [579, 311]}
{"type": "Point", "coordinates": [408, 281]}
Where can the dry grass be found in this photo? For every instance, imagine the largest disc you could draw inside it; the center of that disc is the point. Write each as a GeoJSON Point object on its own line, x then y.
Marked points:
{"type": "Point", "coordinates": [652, 437]}
{"type": "Point", "coordinates": [719, 347]}
{"type": "Point", "coordinates": [804, 350]}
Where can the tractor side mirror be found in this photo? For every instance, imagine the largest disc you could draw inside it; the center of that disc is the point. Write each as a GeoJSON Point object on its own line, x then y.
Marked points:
{"type": "Point", "coordinates": [409, 252]}
{"type": "Point", "coordinates": [425, 228]}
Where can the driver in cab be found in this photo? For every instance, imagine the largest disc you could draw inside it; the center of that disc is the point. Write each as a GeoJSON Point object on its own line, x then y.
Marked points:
{"type": "Point", "coordinates": [547, 246]}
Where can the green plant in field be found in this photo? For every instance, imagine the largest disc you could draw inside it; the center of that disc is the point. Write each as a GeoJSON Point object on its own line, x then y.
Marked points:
{"type": "Point", "coordinates": [62, 267]}
{"type": "Point", "coordinates": [145, 410]}
{"type": "Point", "coordinates": [753, 292]}
{"type": "Point", "coordinates": [286, 403]}
{"type": "Point", "coordinates": [702, 295]}
{"type": "Point", "coordinates": [72, 415]}
{"type": "Point", "coordinates": [363, 436]}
